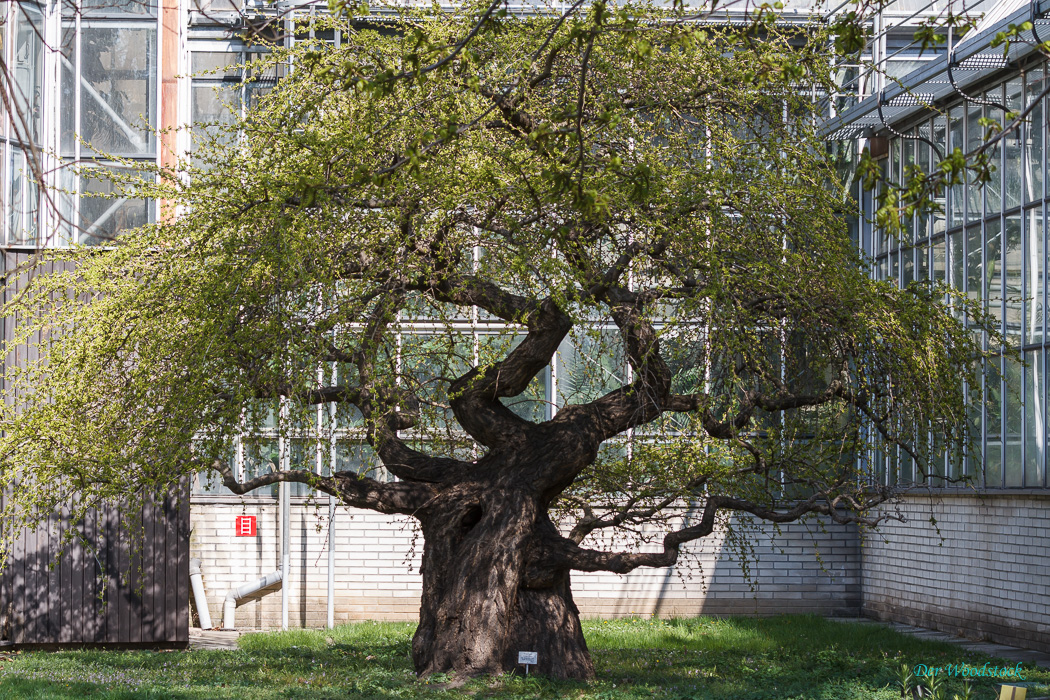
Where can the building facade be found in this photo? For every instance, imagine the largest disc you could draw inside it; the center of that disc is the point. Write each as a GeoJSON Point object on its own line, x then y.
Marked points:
{"type": "Point", "coordinates": [107, 83]}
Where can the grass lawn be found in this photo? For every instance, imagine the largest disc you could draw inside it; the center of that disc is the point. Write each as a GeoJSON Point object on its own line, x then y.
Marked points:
{"type": "Point", "coordinates": [733, 659]}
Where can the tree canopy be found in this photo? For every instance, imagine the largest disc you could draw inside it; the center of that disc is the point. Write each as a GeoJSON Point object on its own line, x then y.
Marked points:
{"type": "Point", "coordinates": [412, 227]}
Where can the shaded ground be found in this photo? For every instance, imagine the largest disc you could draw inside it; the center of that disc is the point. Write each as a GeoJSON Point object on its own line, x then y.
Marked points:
{"type": "Point", "coordinates": [791, 657]}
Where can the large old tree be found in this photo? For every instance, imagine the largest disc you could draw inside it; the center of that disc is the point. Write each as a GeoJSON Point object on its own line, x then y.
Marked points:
{"type": "Point", "coordinates": [409, 231]}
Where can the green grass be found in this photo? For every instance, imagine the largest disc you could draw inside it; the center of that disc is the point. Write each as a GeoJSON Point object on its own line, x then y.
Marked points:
{"type": "Point", "coordinates": [791, 657]}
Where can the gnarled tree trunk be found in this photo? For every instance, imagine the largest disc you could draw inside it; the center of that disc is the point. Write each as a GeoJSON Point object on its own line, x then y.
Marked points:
{"type": "Point", "coordinates": [479, 608]}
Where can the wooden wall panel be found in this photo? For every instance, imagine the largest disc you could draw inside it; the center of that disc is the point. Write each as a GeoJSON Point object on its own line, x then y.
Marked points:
{"type": "Point", "coordinates": [51, 597]}
{"type": "Point", "coordinates": [125, 580]}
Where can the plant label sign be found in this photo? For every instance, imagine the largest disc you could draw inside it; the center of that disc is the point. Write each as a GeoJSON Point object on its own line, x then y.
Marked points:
{"type": "Point", "coordinates": [246, 526]}
{"type": "Point", "coordinates": [528, 658]}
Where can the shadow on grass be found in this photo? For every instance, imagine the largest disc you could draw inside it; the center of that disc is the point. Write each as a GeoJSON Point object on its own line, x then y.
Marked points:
{"type": "Point", "coordinates": [779, 657]}
{"type": "Point", "coordinates": [787, 658]}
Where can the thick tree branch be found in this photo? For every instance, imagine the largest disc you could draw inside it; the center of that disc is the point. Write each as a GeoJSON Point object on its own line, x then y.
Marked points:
{"type": "Point", "coordinates": [358, 491]}
{"type": "Point", "coordinates": [475, 395]}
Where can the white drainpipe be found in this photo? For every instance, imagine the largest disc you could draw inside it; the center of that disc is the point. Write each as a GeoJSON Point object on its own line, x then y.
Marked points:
{"type": "Point", "coordinates": [331, 561]}
{"type": "Point", "coordinates": [285, 549]}
{"type": "Point", "coordinates": [199, 597]}
{"type": "Point", "coordinates": [229, 608]}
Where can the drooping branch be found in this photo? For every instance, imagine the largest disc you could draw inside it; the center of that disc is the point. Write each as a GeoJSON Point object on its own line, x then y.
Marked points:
{"type": "Point", "coordinates": [564, 553]}
{"type": "Point", "coordinates": [630, 512]}
{"type": "Point", "coordinates": [359, 491]}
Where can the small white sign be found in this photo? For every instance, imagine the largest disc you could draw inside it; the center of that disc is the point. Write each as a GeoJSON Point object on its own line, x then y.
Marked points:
{"type": "Point", "coordinates": [528, 658]}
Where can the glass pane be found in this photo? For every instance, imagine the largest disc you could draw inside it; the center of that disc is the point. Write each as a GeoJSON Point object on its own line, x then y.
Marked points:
{"type": "Point", "coordinates": [23, 213]}
{"type": "Point", "coordinates": [214, 109]}
{"type": "Point", "coordinates": [956, 193]}
{"type": "Point", "coordinates": [118, 89]}
{"type": "Point", "coordinates": [1033, 292]}
{"type": "Point", "coordinates": [993, 464]}
{"type": "Point", "coordinates": [209, 483]}
{"type": "Point", "coordinates": [104, 209]}
{"type": "Point", "coordinates": [993, 279]}
{"type": "Point", "coordinates": [1012, 279]}
{"type": "Point", "coordinates": [429, 363]}
{"type": "Point", "coordinates": [894, 173]}
{"type": "Point", "coordinates": [1013, 420]}
{"type": "Point", "coordinates": [216, 64]}
{"type": "Point", "coordinates": [302, 456]}
{"type": "Point", "coordinates": [209, 7]}
{"type": "Point", "coordinates": [590, 364]}
{"type": "Point", "coordinates": [534, 403]}
{"type": "Point", "coordinates": [1012, 165]}
{"type": "Point", "coordinates": [939, 261]}
{"type": "Point", "coordinates": [940, 139]}
{"type": "Point", "coordinates": [956, 260]}
{"type": "Point", "coordinates": [974, 139]}
{"type": "Point", "coordinates": [906, 470]}
{"type": "Point", "coordinates": [1033, 152]}
{"type": "Point", "coordinates": [346, 414]}
{"type": "Point", "coordinates": [993, 201]}
{"type": "Point", "coordinates": [67, 108]}
{"type": "Point", "coordinates": [974, 417]}
{"type": "Point", "coordinates": [1035, 414]}
{"type": "Point", "coordinates": [878, 462]}
{"type": "Point", "coordinates": [974, 264]}
{"type": "Point", "coordinates": [261, 456]}
{"type": "Point", "coordinates": [65, 199]}
{"type": "Point", "coordinates": [28, 73]}
{"type": "Point", "coordinates": [908, 160]}
{"type": "Point", "coordinates": [993, 397]}
{"type": "Point", "coordinates": [360, 458]}
{"type": "Point", "coordinates": [110, 8]}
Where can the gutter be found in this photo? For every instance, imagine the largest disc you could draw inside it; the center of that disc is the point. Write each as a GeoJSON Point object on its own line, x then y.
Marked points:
{"type": "Point", "coordinates": [973, 61]}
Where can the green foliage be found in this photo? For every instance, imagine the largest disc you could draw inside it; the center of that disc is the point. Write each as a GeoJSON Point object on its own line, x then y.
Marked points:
{"type": "Point", "coordinates": [402, 176]}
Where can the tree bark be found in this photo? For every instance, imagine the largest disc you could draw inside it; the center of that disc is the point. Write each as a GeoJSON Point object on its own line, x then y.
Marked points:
{"type": "Point", "coordinates": [477, 610]}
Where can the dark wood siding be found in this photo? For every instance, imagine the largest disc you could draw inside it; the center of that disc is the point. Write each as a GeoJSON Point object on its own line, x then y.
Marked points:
{"type": "Point", "coordinates": [125, 578]}
{"type": "Point", "coordinates": [131, 586]}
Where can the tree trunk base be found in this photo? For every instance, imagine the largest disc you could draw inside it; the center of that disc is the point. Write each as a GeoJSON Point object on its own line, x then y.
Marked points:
{"type": "Point", "coordinates": [547, 622]}
{"type": "Point", "coordinates": [476, 612]}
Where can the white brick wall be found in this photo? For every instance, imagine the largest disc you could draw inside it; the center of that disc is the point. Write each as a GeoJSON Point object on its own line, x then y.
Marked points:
{"type": "Point", "coordinates": [376, 570]}
{"type": "Point", "coordinates": [985, 575]}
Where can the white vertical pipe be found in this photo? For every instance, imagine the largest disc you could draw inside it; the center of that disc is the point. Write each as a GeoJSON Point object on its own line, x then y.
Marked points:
{"type": "Point", "coordinates": [285, 553]}
{"type": "Point", "coordinates": [200, 599]}
{"type": "Point", "coordinates": [331, 562]}
{"type": "Point", "coordinates": [332, 417]}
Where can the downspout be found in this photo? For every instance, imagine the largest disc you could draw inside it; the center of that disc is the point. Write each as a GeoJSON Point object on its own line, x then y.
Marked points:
{"type": "Point", "coordinates": [229, 608]}
{"type": "Point", "coordinates": [199, 597]}
{"type": "Point", "coordinates": [331, 562]}
{"type": "Point", "coordinates": [285, 554]}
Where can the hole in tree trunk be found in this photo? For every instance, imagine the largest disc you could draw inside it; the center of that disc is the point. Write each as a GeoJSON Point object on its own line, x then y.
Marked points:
{"type": "Point", "coordinates": [471, 518]}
